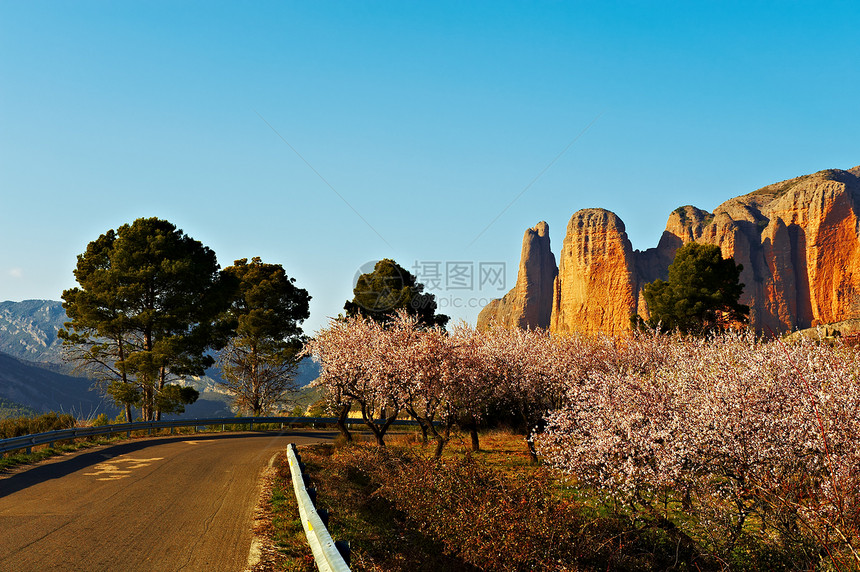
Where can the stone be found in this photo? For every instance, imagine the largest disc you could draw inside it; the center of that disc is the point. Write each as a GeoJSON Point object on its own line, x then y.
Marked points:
{"type": "Point", "coordinates": [798, 241]}
{"type": "Point", "coordinates": [529, 303]}
{"type": "Point", "coordinates": [596, 286]}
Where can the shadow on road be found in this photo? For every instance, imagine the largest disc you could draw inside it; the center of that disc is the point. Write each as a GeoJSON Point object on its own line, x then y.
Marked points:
{"type": "Point", "coordinates": [24, 476]}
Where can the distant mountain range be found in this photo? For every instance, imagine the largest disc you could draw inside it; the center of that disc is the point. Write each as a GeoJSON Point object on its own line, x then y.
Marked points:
{"type": "Point", "coordinates": [34, 376]}
{"type": "Point", "coordinates": [28, 330]}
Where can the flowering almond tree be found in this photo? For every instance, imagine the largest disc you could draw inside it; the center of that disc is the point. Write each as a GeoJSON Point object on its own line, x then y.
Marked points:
{"type": "Point", "coordinates": [358, 368]}
{"type": "Point", "coordinates": [520, 360]}
{"type": "Point", "coordinates": [737, 431]}
{"type": "Point", "coordinates": [428, 368]}
{"type": "Point", "coordinates": [345, 372]}
{"type": "Point", "coordinates": [474, 385]}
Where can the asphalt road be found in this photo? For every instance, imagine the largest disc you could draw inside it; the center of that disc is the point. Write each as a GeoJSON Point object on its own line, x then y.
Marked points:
{"type": "Point", "coordinates": [178, 503]}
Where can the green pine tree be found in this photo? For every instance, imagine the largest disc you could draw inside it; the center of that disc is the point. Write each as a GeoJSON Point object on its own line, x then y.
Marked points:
{"type": "Point", "coordinates": [701, 295]}
{"type": "Point", "coordinates": [259, 363]}
{"type": "Point", "coordinates": [390, 287]}
{"type": "Point", "coordinates": [145, 313]}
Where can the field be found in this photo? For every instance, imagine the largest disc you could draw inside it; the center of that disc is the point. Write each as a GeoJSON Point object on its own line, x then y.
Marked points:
{"type": "Point", "coordinates": [496, 510]}
{"type": "Point", "coordinates": [645, 452]}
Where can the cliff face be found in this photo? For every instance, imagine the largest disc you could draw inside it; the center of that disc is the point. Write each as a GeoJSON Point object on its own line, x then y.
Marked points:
{"type": "Point", "coordinates": [595, 288]}
{"type": "Point", "coordinates": [529, 303]}
{"type": "Point", "coordinates": [798, 241]}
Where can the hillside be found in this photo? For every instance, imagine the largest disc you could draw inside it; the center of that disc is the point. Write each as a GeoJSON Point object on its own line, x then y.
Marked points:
{"type": "Point", "coordinates": [44, 390]}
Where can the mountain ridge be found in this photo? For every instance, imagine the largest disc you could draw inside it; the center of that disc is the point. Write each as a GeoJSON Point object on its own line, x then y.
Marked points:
{"type": "Point", "coordinates": [798, 241]}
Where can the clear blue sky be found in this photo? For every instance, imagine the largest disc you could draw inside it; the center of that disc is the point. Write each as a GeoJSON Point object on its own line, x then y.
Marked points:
{"type": "Point", "coordinates": [428, 118]}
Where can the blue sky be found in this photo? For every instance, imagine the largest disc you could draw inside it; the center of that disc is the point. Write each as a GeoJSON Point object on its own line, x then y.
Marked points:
{"type": "Point", "coordinates": [427, 118]}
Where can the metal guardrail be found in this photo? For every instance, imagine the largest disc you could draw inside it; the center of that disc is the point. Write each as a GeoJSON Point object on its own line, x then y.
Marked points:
{"type": "Point", "coordinates": [326, 554]}
{"type": "Point", "coordinates": [50, 437]}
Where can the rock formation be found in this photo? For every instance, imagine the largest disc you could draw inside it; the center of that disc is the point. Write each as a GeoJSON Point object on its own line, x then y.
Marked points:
{"type": "Point", "coordinates": [595, 288]}
{"type": "Point", "coordinates": [798, 241]}
{"type": "Point", "coordinates": [529, 303]}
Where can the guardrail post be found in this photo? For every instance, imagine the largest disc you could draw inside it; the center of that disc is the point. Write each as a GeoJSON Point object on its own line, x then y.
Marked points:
{"type": "Point", "coordinates": [345, 549]}
{"type": "Point", "coordinates": [323, 516]}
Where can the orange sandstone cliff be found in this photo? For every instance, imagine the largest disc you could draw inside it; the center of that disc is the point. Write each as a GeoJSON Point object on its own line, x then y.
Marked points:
{"type": "Point", "coordinates": [529, 303]}
{"type": "Point", "coordinates": [798, 241]}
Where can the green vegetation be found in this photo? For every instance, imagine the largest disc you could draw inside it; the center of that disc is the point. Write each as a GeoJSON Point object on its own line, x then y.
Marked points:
{"type": "Point", "coordinates": [151, 307]}
{"type": "Point", "coordinates": [707, 217]}
{"type": "Point", "coordinates": [10, 409]}
{"type": "Point", "coordinates": [286, 528]}
{"type": "Point", "coordinates": [701, 295]}
{"type": "Point", "coordinates": [145, 312]}
{"type": "Point", "coordinates": [390, 287]}
{"type": "Point", "coordinates": [682, 214]}
{"type": "Point", "coordinates": [19, 426]}
{"type": "Point", "coordinates": [259, 363]}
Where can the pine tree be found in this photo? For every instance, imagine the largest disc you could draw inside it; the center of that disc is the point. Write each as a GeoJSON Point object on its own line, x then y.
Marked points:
{"type": "Point", "coordinates": [390, 287]}
{"type": "Point", "coordinates": [145, 313]}
{"type": "Point", "coordinates": [259, 363]}
{"type": "Point", "coordinates": [701, 295]}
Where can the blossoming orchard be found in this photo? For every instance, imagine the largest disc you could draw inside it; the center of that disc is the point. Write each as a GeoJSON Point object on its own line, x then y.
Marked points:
{"type": "Point", "coordinates": [727, 437]}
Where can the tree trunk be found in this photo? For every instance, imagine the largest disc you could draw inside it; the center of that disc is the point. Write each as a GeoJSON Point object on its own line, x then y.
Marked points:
{"type": "Point", "coordinates": [440, 444]}
{"type": "Point", "coordinates": [161, 376]}
{"type": "Point", "coordinates": [440, 440]}
{"type": "Point", "coordinates": [530, 444]}
{"type": "Point", "coordinates": [379, 430]}
{"type": "Point", "coordinates": [146, 407]}
{"type": "Point", "coordinates": [473, 433]}
{"type": "Point", "coordinates": [341, 422]}
{"type": "Point", "coordinates": [380, 438]}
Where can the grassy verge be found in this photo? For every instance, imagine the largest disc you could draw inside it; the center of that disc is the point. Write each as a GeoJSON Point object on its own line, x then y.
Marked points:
{"type": "Point", "coordinates": [380, 535]}
{"type": "Point", "coordinates": [286, 530]}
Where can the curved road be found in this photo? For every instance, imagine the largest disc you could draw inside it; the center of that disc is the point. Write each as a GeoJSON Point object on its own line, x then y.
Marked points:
{"type": "Point", "coordinates": [171, 503]}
